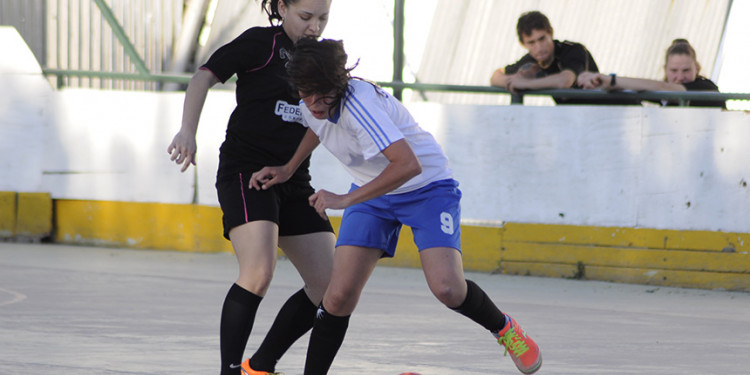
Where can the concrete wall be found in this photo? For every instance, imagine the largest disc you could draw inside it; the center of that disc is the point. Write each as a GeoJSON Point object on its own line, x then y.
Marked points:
{"type": "Point", "coordinates": [551, 191]}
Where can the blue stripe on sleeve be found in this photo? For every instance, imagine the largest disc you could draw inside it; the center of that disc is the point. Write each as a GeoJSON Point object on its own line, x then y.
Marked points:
{"type": "Point", "coordinates": [365, 125]}
{"type": "Point", "coordinates": [365, 118]}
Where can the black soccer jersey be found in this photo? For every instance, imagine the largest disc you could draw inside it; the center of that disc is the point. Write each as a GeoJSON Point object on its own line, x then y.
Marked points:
{"type": "Point", "coordinates": [264, 128]}
{"type": "Point", "coordinates": [704, 84]}
{"type": "Point", "coordinates": [568, 56]}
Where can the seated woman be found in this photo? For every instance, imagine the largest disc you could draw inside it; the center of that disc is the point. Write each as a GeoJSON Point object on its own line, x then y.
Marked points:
{"type": "Point", "coordinates": [681, 73]}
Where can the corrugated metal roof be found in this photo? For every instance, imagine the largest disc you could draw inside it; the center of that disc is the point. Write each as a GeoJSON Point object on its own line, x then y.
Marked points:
{"type": "Point", "coordinates": [232, 17]}
{"type": "Point", "coordinates": [466, 42]}
{"type": "Point", "coordinates": [470, 39]}
{"type": "Point", "coordinates": [72, 34]}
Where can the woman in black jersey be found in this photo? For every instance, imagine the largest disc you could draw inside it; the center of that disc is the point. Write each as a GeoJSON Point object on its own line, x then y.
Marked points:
{"type": "Point", "coordinates": [263, 130]}
{"type": "Point", "coordinates": [681, 73]}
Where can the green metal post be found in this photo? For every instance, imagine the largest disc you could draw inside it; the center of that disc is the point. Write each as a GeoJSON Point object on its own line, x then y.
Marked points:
{"type": "Point", "coordinates": [124, 40]}
{"type": "Point", "coordinates": [398, 46]}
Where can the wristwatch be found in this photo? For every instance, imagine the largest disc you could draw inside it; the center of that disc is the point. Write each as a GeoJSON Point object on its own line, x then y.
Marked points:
{"type": "Point", "coordinates": [613, 80]}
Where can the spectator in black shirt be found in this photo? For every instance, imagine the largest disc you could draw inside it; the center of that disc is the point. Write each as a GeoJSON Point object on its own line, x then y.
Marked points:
{"type": "Point", "coordinates": [549, 64]}
{"type": "Point", "coordinates": [681, 73]}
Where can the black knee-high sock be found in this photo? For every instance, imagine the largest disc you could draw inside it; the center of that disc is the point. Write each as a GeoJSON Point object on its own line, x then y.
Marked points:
{"type": "Point", "coordinates": [479, 307]}
{"type": "Point", "coordinates": [237, 318]}
{"type": "Point", "coordinates": [295, 318]}
{"type": "Point", "coordinates": [325, 340]}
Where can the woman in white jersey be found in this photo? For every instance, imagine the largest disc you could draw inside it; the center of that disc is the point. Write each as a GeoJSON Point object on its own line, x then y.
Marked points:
{"type": "Point", "coordinates": [401, 177]}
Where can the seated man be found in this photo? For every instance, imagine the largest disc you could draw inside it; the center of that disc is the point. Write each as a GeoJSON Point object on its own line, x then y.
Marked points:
{"type": "Point", "coordinates": [550, 64]}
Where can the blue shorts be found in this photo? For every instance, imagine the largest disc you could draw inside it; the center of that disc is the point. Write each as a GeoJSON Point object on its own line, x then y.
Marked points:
{"type": "Point", "coordinates": [433, 213]}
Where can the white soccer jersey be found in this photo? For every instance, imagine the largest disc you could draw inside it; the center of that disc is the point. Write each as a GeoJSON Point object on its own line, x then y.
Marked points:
{"type": "Point", "coordinates": [370, 120]}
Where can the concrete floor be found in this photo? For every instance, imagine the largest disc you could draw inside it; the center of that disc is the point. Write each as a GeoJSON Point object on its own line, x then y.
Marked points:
{"type": "Point", "coordinates": [87, 310]}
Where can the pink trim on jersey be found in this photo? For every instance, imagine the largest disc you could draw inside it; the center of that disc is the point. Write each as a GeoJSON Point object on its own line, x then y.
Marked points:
{"type": "Point", "coordinates": [273, 48]}
{"type": "Point", "coordinates": [244, 203]}
{"type": "Point", "coordinates": [210, 71]}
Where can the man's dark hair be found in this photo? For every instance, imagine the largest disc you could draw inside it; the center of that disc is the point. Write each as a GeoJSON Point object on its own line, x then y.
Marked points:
{"type": "Point", "coordinates": [530, 21]}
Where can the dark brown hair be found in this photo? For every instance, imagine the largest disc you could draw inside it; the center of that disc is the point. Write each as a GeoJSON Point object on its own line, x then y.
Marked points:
{"type": "Point", "coordinates": [271, 7]}
{"type": "Point", "coordinates": [530, 21]}
{"type": "Point", "coordinates": [319, 67]}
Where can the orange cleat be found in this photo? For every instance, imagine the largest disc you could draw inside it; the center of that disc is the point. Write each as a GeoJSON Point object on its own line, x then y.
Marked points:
{"type": "Point", "coordinates": [523, 350]}
{"type": "Point", "coordinates": [247, 370]}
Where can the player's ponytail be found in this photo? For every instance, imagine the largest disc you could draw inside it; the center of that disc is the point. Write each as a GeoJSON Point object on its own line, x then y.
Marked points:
{"type": "Point", "coordinates": [271, 7]}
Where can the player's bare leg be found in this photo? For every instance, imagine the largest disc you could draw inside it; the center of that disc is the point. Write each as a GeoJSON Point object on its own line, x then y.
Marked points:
{"type": "Point", "coordinates": [312, 256]}
{"type": "Point", "coordinates": [255, 246]}
{"type": "Point", "coordinates": [443, 269]}
{"type": "Point", "coordinates": [352, 267]}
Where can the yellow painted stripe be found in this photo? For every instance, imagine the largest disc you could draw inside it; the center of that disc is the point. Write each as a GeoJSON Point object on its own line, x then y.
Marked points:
{"type": "Point", "coordinates": [34, 215]}
{"type": "Point", "coordinates": [140, 225]}
{"type": "Point", "coordinates": [688, 279]}
{"type": "Point", "coordinates": [627, 257]}
{"type": "Point", "coordinates": [481, 247]}
{"type": "Point", "coordinates": [562, 271]}
{"type": "Point", "coordinates": [7, 214]}
{"type": "Point", "coordinates": [685, 279]}
{"type": "Point", "coordinates": [650, 256]}
{"type": "Point", "coordinates": [628, 237]}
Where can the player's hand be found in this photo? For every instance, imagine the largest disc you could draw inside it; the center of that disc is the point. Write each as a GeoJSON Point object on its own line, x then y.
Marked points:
{"type": "Point", "coordinates": [516, 82]}
{"type": "Point", "coordinates": [267, 177]}
{"type": "Point", "coordinates": [182, 150]}
{"type": "Point", "coordinates": [529, 70]}
{"type": "Point", "coordinates": [323, 199]}
{"type": "Point", "coordinates": [590, 80]}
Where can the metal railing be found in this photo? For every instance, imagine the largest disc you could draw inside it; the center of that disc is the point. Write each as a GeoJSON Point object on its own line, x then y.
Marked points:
{"type": "Point", "coordinates": [682, 97]}
{"type": "Point", "coordinates": [143, 74]}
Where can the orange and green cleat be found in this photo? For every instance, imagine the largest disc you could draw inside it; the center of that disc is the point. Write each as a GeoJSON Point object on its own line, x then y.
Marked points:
{"type": "Point", "coordinates": [523, 350]}
{"type": "Point", "coordinates": [247, 370]}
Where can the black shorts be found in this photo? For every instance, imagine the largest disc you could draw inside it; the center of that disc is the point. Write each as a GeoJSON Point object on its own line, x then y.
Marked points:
{"type": "Point", "coordinates": [285, 204]}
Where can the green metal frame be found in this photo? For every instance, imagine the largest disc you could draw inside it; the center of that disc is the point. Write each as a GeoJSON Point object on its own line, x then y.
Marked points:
{"type": "Point", "coordinates": [117, 29]}
{"type": "Point", "coordinates": [397, 84]}
{"type": "Point", "coordinates": [680, 96]}
{"type": "Point", "coordinates": [398, 46]}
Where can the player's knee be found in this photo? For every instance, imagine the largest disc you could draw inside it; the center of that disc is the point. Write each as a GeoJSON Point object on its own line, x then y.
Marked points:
{"type": "Point", "coordinates": [449, 295]}
{"type": "Point", "coordinates": [340, 303]}
{"type": "Point", "coordinates": [316, 288]}
{"type": "Point", "coordinates": [255, 280]}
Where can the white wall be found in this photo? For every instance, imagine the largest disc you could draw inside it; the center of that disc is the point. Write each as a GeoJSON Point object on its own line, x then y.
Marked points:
{"type": "Point", "coordinates": [677, 168]}
{"type": "Point", "coordinates": [24, 113]}
{"type": "Point", "coordinates": [608, 166]}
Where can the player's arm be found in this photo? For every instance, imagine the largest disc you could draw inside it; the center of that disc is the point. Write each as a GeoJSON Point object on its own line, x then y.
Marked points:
{"type": "Point", "coordinates": [499, 78]}
{"type": "Point", "coordinates": [269, 176]}
{"type": "Point", "coordinates": [183, 146]}
{"type": "Point", "coordinates": [638, 84]}
{"type": "Point", "coordinates": [403, 166]}
{"type": "Point", "coordinates": [561, 80]}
